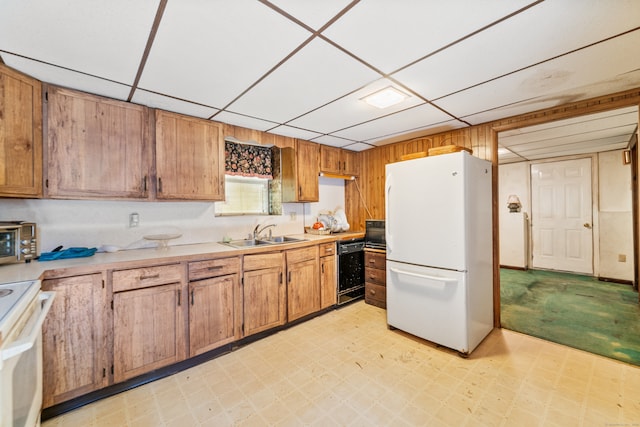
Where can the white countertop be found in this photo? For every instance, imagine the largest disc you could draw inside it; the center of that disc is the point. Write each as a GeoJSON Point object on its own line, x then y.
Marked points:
{"type": "Point", "coordinates": [130, 258]}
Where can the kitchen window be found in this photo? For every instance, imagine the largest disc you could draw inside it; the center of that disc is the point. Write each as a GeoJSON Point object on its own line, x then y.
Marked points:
{"type": "Point", "coordinates": [252, 183]}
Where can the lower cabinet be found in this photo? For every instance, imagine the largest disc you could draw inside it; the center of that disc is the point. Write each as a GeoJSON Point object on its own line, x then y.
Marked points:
{"type": "Point", "coordinates": [148, 320]}
{"type": "Point", "coordinates": [375, 273]}
{"type": "Point", "coordinates": [328, 275]}
{"type": "Point", "coordinates": [74, 336]}
{"type": "Point", "coordinates": [303, 282]}
{"type": "Point", "coordinates": [263, 292]}
{"type": "Point", "coordinates": [215, 304]}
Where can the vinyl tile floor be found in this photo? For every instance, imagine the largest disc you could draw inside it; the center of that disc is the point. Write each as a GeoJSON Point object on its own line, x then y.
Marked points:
{"type": "Point", "coordinates": [346, 368]}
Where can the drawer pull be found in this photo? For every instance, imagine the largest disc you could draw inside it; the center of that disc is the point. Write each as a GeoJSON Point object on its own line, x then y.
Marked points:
{"type": "Point", "coordinates": [372, 291]}
{"type": "Point", "coordinates": [372, 261]}
{"type": "Point", "coordinates": [215, 267]}
{"type": "Point", "coordinates": [153, 276]}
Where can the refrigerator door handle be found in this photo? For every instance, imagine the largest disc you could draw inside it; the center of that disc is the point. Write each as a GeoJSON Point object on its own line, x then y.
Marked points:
{"type": "Point", "coordinates": [444, 280]}
{"type": "Point", "coordinates": [388, 233]}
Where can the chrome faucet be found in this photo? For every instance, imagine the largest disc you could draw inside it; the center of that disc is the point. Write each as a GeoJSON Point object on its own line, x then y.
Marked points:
{"type": "Point", "coordinates": [257, 231]}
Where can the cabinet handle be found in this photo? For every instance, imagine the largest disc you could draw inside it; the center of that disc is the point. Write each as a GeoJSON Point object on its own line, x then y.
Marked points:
{"type": "Point", "coordinates": [159, 185]}
{"type": "Point", "coordinates": [191, 296]}
{"type": "Point", "coordinates": [179, 297]}
{"type": "Point", "coordinates": [144, 184]}
{"type": "Point", "coordinates": [214, 267]}
{"type": "Point", "coordinates": [372, 261]}
{"type": "Point", "coordinates": [344, 166]}
{"type": "Point", "coordinates": [299, 191]}
{"type": "Point", "coordinates": [322, 268]}
{"type": "Point", "coordinates": [153, 276]}
{"type": "Point", "coordinates": [372, 291]}
{"type": "Point", "coordinates": [289, 277]}
{"type": "Point", "coordinates": [281, 278]}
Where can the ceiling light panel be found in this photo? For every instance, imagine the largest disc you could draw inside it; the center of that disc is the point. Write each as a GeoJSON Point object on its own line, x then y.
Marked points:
{"type": "Point", "coordinates": [313, 13]}
{"type": "Point", "coordinates": [390, 36]}
{"type": "Point", "coordinates": [171, 104]}
{"type": "Point", "coordinates": [605, 68]}
{"type": "Point", "coordinates": [61, 77]}
{"type": "Point", "coordinates": [316, 75]}
{"type": "Point", "coordinates": [517, 44]}
{"type": "Point", "coordinates": [403, 121]}
{"type": "Point", "coordinates": [350, 110]}
{"type": "Point", "coordinates": [105, 39]}
{"type": "Point", "coordinates": [210, 52]}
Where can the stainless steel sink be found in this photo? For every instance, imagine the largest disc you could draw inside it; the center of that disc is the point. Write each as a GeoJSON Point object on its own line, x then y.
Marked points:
{"type": "Point", "coordinates": [244, 243]}
{"type": "Point", "coordinates": [281, 239]}
{"type": "Point", "coordinates": [275, 240]}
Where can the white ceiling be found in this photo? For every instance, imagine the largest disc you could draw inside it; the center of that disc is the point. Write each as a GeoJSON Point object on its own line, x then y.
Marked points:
{"type": "Point", "coordinates": [299, 68]}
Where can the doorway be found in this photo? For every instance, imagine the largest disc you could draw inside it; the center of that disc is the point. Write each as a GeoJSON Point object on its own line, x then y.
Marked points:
{"type": "Point", "coordinates": [561, 216]}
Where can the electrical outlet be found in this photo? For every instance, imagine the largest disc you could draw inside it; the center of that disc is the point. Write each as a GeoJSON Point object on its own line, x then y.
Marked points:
{"type": "Point", "coordinates": [134, 220]}
{"type": "Point", "coordinates": [622, 258]}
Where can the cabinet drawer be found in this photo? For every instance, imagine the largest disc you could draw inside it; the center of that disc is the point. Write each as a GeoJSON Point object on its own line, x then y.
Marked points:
{"type": "Point", "coordinates": [258, 262]}
{"type": "Point", "coordinates": [213, 268]}
{"type": "Point", "coordinates": [375, 295]}
{"type": "Point", "coordinates": [327, 249]}
{"type": "Point", "coordinates": [304, 254]}
{"type": "Point", "coordinates": [124, 280]}
{"type": "Point", "coordinates": [375, 275]}
{"type": "Point", "coordinates": [375, 260]}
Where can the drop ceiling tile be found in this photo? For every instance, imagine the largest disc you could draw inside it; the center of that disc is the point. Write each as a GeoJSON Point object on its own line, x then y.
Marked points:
{"type": "Point", "coordinates": [294, 132]}
{"type": "Point", "coordinates": [351, 110]}
{"type": "Point", "coordinates": [408, 120]}
{"type": "Point", "coordinates": [244, 121]}
{"type": "Point", "coordinates": [333, 141]}
{"type": "Point", "coordinates": [171, 104]}
{"type": "Point", "coordinates": [313, 13]}
{"type": "Point", "coordinates": [517, 43]}
{"type": "Point", "coordinates": [390, 36]}
{"type": "Point", "coordinates": [209, 52]}
{"type": "Point", "coordinates": [604, 68]}
{"type": "Point", "coordinates": [316, 75]}
{"type": "Point", "coordinates": [358, 146]}
{"type": "Point", "coordinates": [417, 132]}
{"type": "Point", "coordinates": [66, 78]}
{"type": "Point", "coordinates": [105, 39]}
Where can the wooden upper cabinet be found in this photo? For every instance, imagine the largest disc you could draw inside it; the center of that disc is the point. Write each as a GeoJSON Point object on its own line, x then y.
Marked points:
{"type": "Point", "coordinates": [96, 147]}
{"type": "Point", "coordinates": [338, 161]}
{"type": "Point", "coordinates": [189, 158]}
{"type": "Point", "coordinates": [300, 170]}
{"type": "Point", "coordinates": [20, 135]}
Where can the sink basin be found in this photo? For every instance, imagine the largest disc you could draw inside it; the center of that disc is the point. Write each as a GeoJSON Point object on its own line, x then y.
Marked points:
{"type": "Point", "coordinates": [281, 239]}
{"type": "Point", "coordinates": [244, 243]}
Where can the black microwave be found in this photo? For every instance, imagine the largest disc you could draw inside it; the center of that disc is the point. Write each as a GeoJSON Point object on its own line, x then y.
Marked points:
{"type": "Point", "coordinates": [374, 236]}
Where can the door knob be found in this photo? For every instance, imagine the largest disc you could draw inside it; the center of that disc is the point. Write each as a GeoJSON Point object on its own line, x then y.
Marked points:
{"type": "Point", "coordinates": [586, 225]}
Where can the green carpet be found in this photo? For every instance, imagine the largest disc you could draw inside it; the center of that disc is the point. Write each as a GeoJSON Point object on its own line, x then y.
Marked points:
{"type": "Point", "coordinates": [578, 311]}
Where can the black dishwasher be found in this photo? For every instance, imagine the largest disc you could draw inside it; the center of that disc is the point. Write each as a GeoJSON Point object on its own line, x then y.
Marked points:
{"type": "Point", "coordinates": [350, 270]}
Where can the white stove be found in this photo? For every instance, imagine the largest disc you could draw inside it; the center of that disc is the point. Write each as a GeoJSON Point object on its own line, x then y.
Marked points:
{"type": "Point", "coordinates": [23, 308]}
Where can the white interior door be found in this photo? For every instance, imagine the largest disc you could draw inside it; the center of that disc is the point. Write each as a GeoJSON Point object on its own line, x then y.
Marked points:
{"type": "Point", "coordinates": [561, 216]}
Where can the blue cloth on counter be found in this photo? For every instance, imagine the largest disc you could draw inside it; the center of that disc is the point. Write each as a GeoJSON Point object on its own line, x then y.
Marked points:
{"type": "Point", "coordinates": [67, 253]}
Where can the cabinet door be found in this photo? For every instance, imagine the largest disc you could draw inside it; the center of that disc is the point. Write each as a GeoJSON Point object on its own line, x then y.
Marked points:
{"type": "Point", "coordinates": [20, 135]}
{"type": "Point", "coordinates": [330, 159]}
{"type": "Point", "coordinates": [308, 156]}
{"type": "Point", "coordinates": [350, 164]}
{"type": "Point", "coordinates": [148, 330]}
{"type": "Point", "coordinates": [74, 339]}
{"type": "Point", "coordinates": [215, 313]}
{"type": "Point", "coordinates": [303, 289]}
{"type": "Point", "coordinates": [328, 281]}
{"type": "Point", "coordinates": [96, 147]}
{"type": "Point", "coordinates": [189, 158]}
{"type": "Point", "coordinates": [263, 299]}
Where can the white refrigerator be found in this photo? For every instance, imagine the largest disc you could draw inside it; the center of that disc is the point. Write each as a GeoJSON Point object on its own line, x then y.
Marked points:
{"type": "Point", "coordinates": [439, 249]}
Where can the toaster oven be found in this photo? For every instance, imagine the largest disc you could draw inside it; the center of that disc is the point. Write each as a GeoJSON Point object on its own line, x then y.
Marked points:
{"type": "Point", "coordinates": [18, 242]}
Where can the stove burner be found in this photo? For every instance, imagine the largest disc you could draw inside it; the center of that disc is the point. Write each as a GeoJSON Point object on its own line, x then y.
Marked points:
{"type": "Point", "coordinates": [5, 292]}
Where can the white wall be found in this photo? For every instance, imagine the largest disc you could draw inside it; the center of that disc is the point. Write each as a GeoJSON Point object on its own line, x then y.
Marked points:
{"type": "Point", "coordinates": [89, 223]}
{"type": "Point", "coordinates": [614, 211]}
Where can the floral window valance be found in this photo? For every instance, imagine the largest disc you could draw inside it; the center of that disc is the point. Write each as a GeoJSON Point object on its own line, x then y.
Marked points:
{"type": "Point", "coordinates": [247, 160]}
